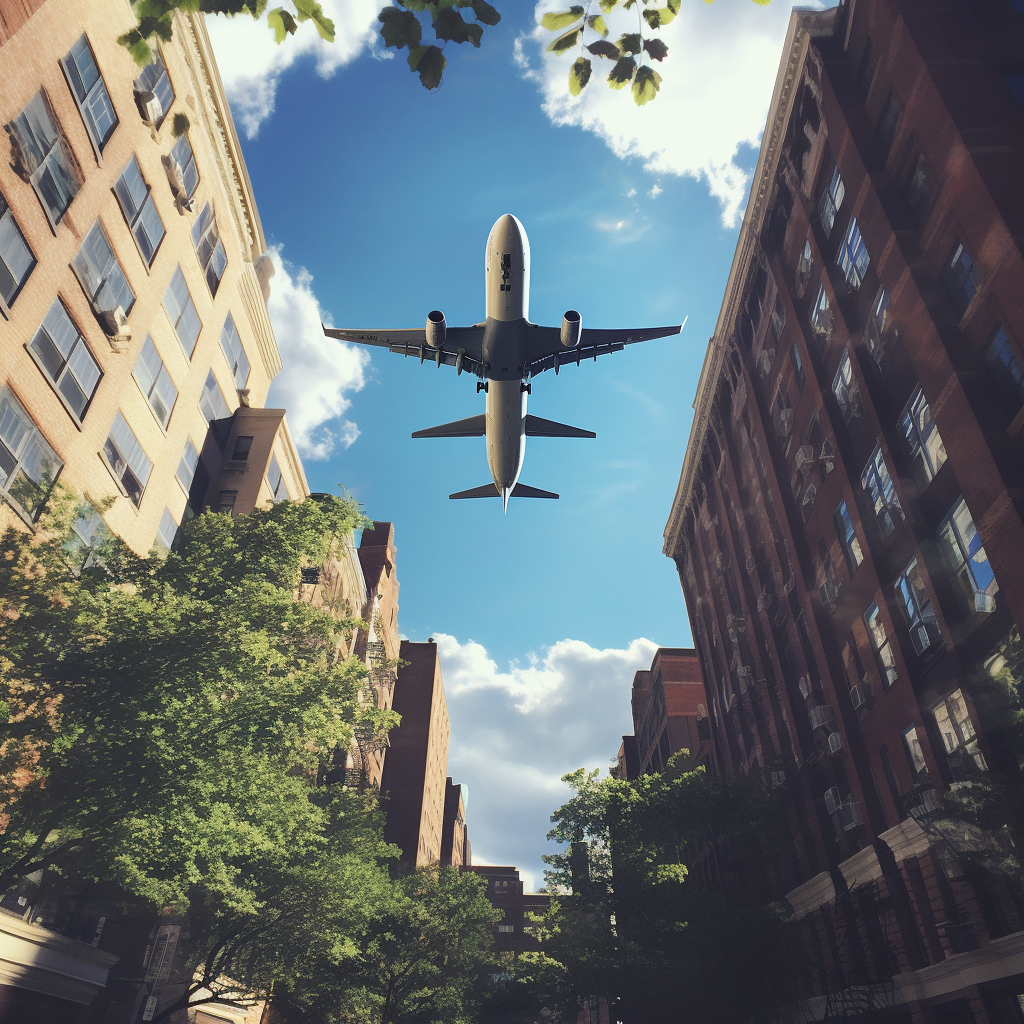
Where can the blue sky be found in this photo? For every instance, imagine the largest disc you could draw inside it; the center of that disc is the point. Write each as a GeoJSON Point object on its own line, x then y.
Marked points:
{"type": "Point", "coordinates": [377, 197]}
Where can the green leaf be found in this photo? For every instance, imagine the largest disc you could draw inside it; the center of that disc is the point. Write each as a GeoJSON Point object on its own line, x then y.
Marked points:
{"type": "Point", "coordinates": [137, 47]}
{"type": "Point", "coordinates": [282, 23]}
{"type": "Point", "coordinates": [596, 22]}
{"type": "Point", "coordinates": [485, 13]}
{"type": "Point", "coordinates": [607, 5]}
{"type": "Point", "coordinates": [603, 48]}
{"type": "Point", "coordinates": [622, 72]}
{"type": "Point", "coordinates": [311, 10]}
{"type": "Point", "coordinates": [659, 17]}
{"type": "Point", "coordinates": [645, 85]}
{"type": "Point", "coordinates": [450, 25]}
{"type": "Point", "coordinates": [430, 63]}
{"type": "Point", "coordinates": [399, 28]}
{"type": "Point", "coordinates": [656, 49]}
{"type": "Point", "coordinates": [630, 42]}
{"type": "Point", "coordinates": [554, 20]}
{"type": "Point", "coordinates": [579, 75]}
{"type": "Point", "coordinates": [563, 43]}
{"type": "Point", "coordinates": [674, 5]}
{"type": "Point", "coordinates": [179, 125]}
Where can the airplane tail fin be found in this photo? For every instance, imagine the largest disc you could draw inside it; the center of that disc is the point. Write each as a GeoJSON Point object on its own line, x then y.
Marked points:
{"type": "Point", "coordinates": [490, 491]}
{"type": "Point", "coordinates": [472, 426]}
{"type": "Point", "coordinates": [537, 426]}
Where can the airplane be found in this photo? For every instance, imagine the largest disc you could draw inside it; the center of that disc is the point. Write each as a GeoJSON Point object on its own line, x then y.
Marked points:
{"type": "Point", "coordinates": [504, 352]}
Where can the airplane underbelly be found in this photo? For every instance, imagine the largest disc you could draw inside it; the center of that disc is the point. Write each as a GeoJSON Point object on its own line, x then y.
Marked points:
{"type": "Point", "coordinates": [505, 435]}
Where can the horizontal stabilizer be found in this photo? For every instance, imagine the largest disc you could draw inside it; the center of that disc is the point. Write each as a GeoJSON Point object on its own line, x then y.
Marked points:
{"type": "Point", "coordinates": [537, 426]}
{"type": "Point", "coordinates": [490, 491]}
{"type": "Point", "coordinates": [472, 426]}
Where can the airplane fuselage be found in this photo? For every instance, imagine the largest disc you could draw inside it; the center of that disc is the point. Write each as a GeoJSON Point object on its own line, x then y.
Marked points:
{"type": "Point", "coordinates": [507, 284]}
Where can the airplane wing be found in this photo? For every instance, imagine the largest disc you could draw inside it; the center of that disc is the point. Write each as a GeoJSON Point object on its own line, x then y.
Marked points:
{"type": "Point", "coordinates": [549, 352]}
{"type": "Point", "coordinates": [462, 345]}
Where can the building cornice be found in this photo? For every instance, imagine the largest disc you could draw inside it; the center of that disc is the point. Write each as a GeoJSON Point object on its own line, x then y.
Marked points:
{"type": "Point", "coordinates": [804, 25]}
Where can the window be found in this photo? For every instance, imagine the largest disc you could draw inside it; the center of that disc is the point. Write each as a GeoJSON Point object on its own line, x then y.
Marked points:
{"type": "Point", "coordinates": [156, 383]}
{"type": "Point", "coordinates": [185, 161]}
{"type": "Point", "coordinates": [165, 532]}
{"type": "Point", "coordinates": [126, 459]}
{"type": "Point", "coordinates": [803, 269]}
{"type": "Point", "coordinates": [231, 345]}
{"type": "Point", "coordinates": [209, 248]}
{"type": "Point", "coordinates": [958, 734]}
{"type": "Point", "coordinates": [847, 392]}
{"type": "Point", "coordinates": [139, 210]}
{"type": "Point", "coordinates": [821, 318]}
{"type": "Point", "coordinates": [853, 258]}
{"type": "Point", "coordinates": [275, 478]}
{"type": "Point", "coordinates": [90, 93]}
{"type": "Point", "coordinates": [211, 402]}
{"type": "Point", "coordinates": [243, 445]}
{"type": "Point", "coordinates": [798, 367]}
{"type": "Point", "coordinates": [153, 91]}
{"type": "Point", "coordinates": [1005, 368]}
{"type": "Point", "coordinates": [916, 606]}
{"type": "Point", "coordinates": [88, 536]}
{"type": "Point", "coordinates": [966, 554]}
{"type": "Point", "coordinates": [829, 588]}
{"type": "Point", "coordinates": [780, 215]}
{"type": "Point", "coordinates": [101, 275]}
{"type": "Point", "coordinates": [778, 318]}
{"type": "Point", "coordinates": [16, 259]}
{"type": "Point", "coordinates": [187, 465]}
{"type": "Point", "coordinates": [848, 537]}
{"type": "Point", "coordinates": [29, 467]}
{"type": "Point", "coordinates": [831, 201]}
{"type": "Point", "coordinates": [782, 413]}
{"type": "Point", "coordinates": [958, 277]}
{"type": "Point", "coordinates": [226, 501]}
{"type": "Point", "coordinates": [876, 330]}
{"type": "Point", "coordinates": [919, 190]}
{"type": "Point", "coordinates": [922, 436]}
{"type": "Point", "coordinates": [182, 312]}
{"type": "Point", "coordinates": [46, 156]}
{"type": "Point", "coordinates": [915, 755]}
{"type": "Point", "coordinates": [880, 644]}
{"type": "Point", "coordinates": [506, 928]}
{"type": "Point", "coordinates": [889, 119]}
{"type": "Point", "coordinates": [876, 481]}
{"type": "Point", "coordinates": [62, 354]}
{"type": "Point", "coordinates": [866, 70]}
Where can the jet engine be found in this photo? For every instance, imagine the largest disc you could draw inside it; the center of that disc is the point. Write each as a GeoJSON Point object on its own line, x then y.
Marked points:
{"type": "Point", "coordinates": [572, 327]}
{"type": "Point", "coordinates": [435, 328]}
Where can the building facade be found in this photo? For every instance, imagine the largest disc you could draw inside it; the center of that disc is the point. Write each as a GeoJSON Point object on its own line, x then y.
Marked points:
{"type": "Point", "coordinates": [513, 933]}
{"type": "Point", "coordinates": [669, 714]}
{"type": "Point", "coordinates": [416, 766]}
{"type": "Point", "coordinates": [849, 523]}
{"type": "Point", "coordinates": [455, 849]}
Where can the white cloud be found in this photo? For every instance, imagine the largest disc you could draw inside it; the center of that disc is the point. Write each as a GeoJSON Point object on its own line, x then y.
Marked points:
{"type": "Point", "coordinates": [716, 89]}
{"type": "Point", "coordinates": [517, 731]}
{"type": "Point", "coordinates": [251, 63]}
{"type": "Point", "coordinates": [655, 191]}
{"type": "Point", "coordinates": [319, 372]}
{"type": "Point", "coordinates": [631, 193]}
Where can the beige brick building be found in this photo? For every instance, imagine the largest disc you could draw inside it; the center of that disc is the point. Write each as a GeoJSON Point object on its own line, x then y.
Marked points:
{"type": "Point", "coordinates": [133, 281]}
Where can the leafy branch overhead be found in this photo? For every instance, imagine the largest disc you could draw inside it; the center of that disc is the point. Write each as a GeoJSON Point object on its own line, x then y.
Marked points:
{"type": "Point", "coordinates": [401, 27]}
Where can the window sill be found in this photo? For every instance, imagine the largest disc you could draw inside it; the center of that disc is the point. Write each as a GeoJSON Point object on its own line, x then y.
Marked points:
{"type": "Point", "coordinates": [119, 485]}
{"type": "Point", "coordinates": [63, 401]}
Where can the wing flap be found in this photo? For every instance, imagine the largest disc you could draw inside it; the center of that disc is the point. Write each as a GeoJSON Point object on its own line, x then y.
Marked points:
{"type": "Point", "coordinates": [471, 426]}
{"type": "Point", "coordinates": [463, 346]}
{"type": "Point", "coordinates": [486, 491]}
{"type": "Point", "coordinates": [537, 426]}
{"type": "Point", "coordinates": [594, 342]}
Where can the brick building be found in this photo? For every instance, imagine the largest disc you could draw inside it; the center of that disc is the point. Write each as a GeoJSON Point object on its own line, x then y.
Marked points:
{"type": "Point", "coordinates": [416, 767]}
{"type": "Point", "coordinates": [849, 523]}
{"type": "Point", "coordinates": [505, 891]}
{"type": "Point", "coordinates": [669, 714]}
{"type": "Point", "coordinates": [455, 849]}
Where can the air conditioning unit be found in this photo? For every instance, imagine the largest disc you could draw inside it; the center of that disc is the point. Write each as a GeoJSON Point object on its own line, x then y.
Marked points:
{"type": "Point", "coordinates": [924, 635]}
{"type": "Point", "coordinates": [821, 716]}
{"type": "Point", "coordinates": [115, 324]}
{"type": "Point", "coordinates": [835, 743]}
{"type": "Point", "coordinates": [833, 801]}
{"type": "Point", "coordinates": [859, 695]}
{"type": "Point", "coordinates": [850, 814]}
{"type": "Point", "coordinates": [150, 106]}
{"type": "Point", "coordinates": [176, 178]}
{"type": "Point", "coordinates": [778, 778]}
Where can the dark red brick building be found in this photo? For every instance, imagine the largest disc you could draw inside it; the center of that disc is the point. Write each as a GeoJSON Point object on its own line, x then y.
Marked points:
{"type": "Point", "coordinates": [505, 891]}
{"type": "Point", "coordinates": [849, 522]}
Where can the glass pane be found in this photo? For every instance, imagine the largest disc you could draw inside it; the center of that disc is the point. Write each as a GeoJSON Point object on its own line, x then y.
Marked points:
{"type": "Point", "coordinates": [13, 425]}
{"type": "Point", "coordinates": [189, 327]}
{"type": "Point", "coordinates": [100, 111]}
{"type": "Point", "coordinates": [47, 353]}
{"type": "Point", "coordinates": [981, 571]}
{"type": "Point", "coordinates": [165, 394]}
{"type": "Point", "coordinates": [36, 130]}
{"type": "Point", "coordinates": [176, 296]}
{"type": "Point", "coordinates": [73, 394]}
{"type": "Point", "coordinates": [949, 737]}
{"type": "Point", "coordinates": [14, 253]}
{"type": "Point", "coordinates": [85, 368]}
{"type": "Point", "coordinates": [81, 60]}
{"type": "Point", "coordinates": [148, 366]}
{"type": "Point", "coordinates": [152, 227]}
{"type": "Point", "coordinates": [131, 189]}
{"type": "Point", "coordinates": [187, 465]}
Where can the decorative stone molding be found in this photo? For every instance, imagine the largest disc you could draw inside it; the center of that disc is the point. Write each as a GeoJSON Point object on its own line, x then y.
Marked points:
{"type": "Point", "coordinates": [907, 839]}
{"type": "Point", "coordinates": [41, 961]}
{"type": "Point", "coordinates": [807, 898]}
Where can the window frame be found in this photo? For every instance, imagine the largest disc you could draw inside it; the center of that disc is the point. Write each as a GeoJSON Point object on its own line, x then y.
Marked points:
{"type": "Point", "coordinates": [848, 258]}
{"type": "Point", "coordinates": [955, 279]}
{"type": "Point", "coordinates": [182, 309]}
{"type": "Point", "coordinates": [160, 542]}
{"type": "Point", "coordinates": [964, 742]}
{"type": "Point", "coordinates": [31, 436]}
{"type": "Point", "coordinates": [7, 214]}
{"type": "Point", "coordinates": [888, 121]}
{"type": "Point", "coordinates": [877, 487]}
{"type": "Point", "coordinates": [962, 559]}
{"type": "Point", "coordinates": [798, 367]}
{"type": "Point", "coordinates": [917, 438]}
{"type": "Point", "coordinates": [847, 535]}
{"type": "Point", "coordinates": [210, 376]}
{"type": "Point", "coordinates": [119, 474]}
{"type": "Point", "coordinates": [821, 318]}
{"type": "Point", "coordinates": [917, 607]}
{"type": "Point", "coordinates": [183, 139]}
{"type": "Point", "coordinates": [881, 645]}
{"type": "Point", "coordinates": [831, 201]}
{"type": "Point", "coordinates": [228, 356]}
{"type": "Point", "coordinates": [63, 157]}
{"type": "Point", "coordinates": [56, 381]}
{"type": "Point", "coordinates": [86, 257]}
{"type": "Point", "coordinates": [275, 490]}
{"type": "Point", "coordinates": [136, 220]}
{"type": "Point", "coordinates": [141, 89]}
{"type": "Point", "coordinates": [189, 443]}
{"type": "Point", "coordinates": [914, 753]}
{"type": "Point", "coordinates": [852, 405]}
{"type": "Point", "coordinates": [162, 374]}
{"type": "Point", "coordinates": [209, 236]}
{"type": "Point", "coordinates": [1008, 383]}
{"type": "Point", "coordinates": [919, 201]}
{"type": "Point", "coordinates": [84, 102]}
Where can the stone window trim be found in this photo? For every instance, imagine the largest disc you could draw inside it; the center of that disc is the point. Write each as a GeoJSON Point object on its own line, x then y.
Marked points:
{"type": "Point", "coordinates": [15, 453]}
{"type": "Point", "coordinates": [85, 94]}
{"type": "Point", "coordinates": [55, 384]}
{"type": "Point", "coordinates": [13, 238]}
{"type": "Point", "coordinates": [58, 156]}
